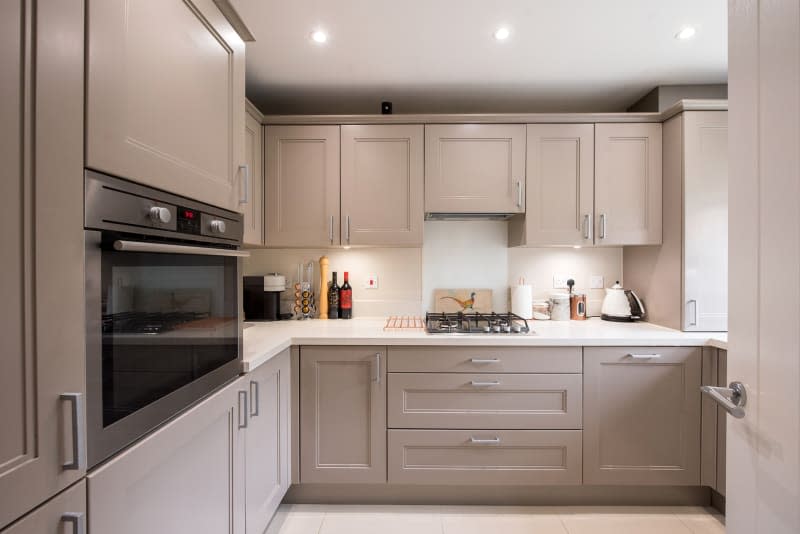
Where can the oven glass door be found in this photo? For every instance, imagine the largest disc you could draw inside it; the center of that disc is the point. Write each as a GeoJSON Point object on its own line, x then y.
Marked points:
{"type": "Point", "coordinates": [167, 333]}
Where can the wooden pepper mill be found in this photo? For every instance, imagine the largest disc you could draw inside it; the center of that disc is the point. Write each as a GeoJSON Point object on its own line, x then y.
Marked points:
{"type": "Point", "coordinates": [323, 287]}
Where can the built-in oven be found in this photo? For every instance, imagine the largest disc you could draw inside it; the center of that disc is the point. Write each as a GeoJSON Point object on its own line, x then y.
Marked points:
{"type": "Point", "coordinates": [163, 286]}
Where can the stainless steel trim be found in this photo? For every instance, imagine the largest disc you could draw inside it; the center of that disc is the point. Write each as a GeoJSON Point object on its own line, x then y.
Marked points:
{"type": "Point", "coordinates": [732, 399]}
{"type": "Point", "coordinates": [347, 229]}
{"type": "Point", "coordinates": [242, 405]}
{"type": "Point", "coordinates": [694, 302]}
{"type": "Point", "coordinates": [330, 230]}
{"type": "Point", "coordinates": [484, 441]}
{"type": "Point", "coordinates": [478, 383]}
{"type": "Point", "coordinates": [254, 399]}
{"type": "Point", "coordinates": [519, 194]}
{"type": "Point", "coordinates": [485, 360]}
{"type": "Point", "coordinates": [246, 199]}
{"type": "Point", "coordinates": [77, 520]}
{"type": "Point", "coordinates": [78, 461]}
{"type": "Point", "coordinates": [587, 222]}
{"type": "Point", "coordinates": [644, 356]}
{"type": "Point", "coordinates": [602, 226]}
{"type": "Point", "coordinates": [166, 248]}
{"type": "Point", "coordinates": [377, 378]}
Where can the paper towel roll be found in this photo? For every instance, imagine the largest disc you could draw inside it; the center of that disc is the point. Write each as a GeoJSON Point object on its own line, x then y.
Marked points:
{"type": "Point", "coordinates": [522, 301]}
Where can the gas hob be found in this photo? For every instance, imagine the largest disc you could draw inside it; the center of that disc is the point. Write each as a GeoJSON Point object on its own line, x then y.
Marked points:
{"type": "Point", "coordinates": [476, 323]}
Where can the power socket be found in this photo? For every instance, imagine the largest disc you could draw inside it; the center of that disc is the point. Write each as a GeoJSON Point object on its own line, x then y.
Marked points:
{"type": "Point", "coordinates": [560, 281]}
{"type": "Point", "coordinates": [596, 282]}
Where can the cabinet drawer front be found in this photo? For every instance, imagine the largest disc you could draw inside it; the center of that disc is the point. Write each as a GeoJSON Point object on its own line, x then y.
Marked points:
{"type": "Point", "coordinates": [529, 457]}
{"type": "Point", "coordinates": [438, 400]}
{"type": "Point", "coordinates": [485, 360]}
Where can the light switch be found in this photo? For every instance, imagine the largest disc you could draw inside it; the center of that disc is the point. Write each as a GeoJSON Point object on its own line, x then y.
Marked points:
{"type": "Point", "coordinates": [371, 281]}
{"type": "Point", "coordinates": [596, 282]}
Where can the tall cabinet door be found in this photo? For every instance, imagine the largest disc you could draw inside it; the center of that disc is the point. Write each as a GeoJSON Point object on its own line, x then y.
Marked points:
{"type": "Point", "coordinates": [705, 227]}
{"type": "Point", "coordinates": [42, 434]}
{"type": "Point", "coordinates": [165, 97]}
{"type": "Point", "coordinates": [343, 414]}
{"type": "Point", "coordinates": [641, 416]}
{"type": "Point", "coordinates": [181, 479]}
{"type": "Point", "coordinates": [302, 186]}
{"type": "Point", "coordinates": [65, 513]}
{"type": "Point", "coordinates": [627, 184]}
{"type": "Point", "coordinates": [253, 198]}
{"type": "Point", "coordinates": [560, 184]}
{"type": "Point", "coordinates": [267, 458]}
{"type": "Point", "coordinates": [475, 168]}
{"type": "Point", "coordinates": [382, 184]}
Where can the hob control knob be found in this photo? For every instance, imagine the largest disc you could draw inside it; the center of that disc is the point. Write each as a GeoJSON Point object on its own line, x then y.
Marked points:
{"type": "Point", "coordinates": [160, 215]}
{"type": "Point", "coordinates": [217, 227]}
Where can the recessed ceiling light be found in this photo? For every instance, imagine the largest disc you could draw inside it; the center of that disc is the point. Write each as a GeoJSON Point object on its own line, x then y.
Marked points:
{"type": "Point", "coordinates": [319, 36]}
{"type": "Point", "coordinates": [686, 33]}
{"type": "Point", "coordinates": [502, 33]}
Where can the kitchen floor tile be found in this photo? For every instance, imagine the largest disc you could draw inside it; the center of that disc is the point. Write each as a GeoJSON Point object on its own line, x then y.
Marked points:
{"type": "Point", "coordinates": [382, 519]}
{"type": "Point", "coordinates": [703, 521]}
{"type": "Point", "coordinates": [624, 523]}
{"type": "Point", "coordinates": [480, 520]}
{"type": "Point", "coordinates": [297, 519]}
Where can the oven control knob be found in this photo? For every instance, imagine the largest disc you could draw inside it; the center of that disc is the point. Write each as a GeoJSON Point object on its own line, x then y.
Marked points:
{"type": "Point", "coordinates": [160, 215]}
{"type": "Point", "coordinates": [217, 227]}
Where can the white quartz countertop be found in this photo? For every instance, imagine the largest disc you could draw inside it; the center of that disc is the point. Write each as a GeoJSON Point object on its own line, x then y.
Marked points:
{"type": "Point", "coordinates": [262, 341]}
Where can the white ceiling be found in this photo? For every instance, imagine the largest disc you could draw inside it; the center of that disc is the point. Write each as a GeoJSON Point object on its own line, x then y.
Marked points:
{"type": "Point", "coordinates": [440, 56]}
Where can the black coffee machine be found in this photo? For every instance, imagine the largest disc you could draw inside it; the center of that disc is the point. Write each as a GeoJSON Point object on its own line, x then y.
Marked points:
{"type": "Point", "coordinates": [262, 297]}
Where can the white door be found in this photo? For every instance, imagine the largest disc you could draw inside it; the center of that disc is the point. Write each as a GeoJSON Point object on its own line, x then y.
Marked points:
{"type": "Point", "coordinates": [763, 455]}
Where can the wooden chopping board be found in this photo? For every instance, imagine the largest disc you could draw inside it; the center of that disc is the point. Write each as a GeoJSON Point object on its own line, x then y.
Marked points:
{"type": "Point", "coordinates": [466, 300]}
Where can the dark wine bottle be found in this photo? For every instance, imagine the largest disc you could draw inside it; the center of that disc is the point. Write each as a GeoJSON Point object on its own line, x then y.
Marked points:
{"type": "Point", "coordinates": [333, 299]}
{"type": "Point", "coordinates": [346, 298]}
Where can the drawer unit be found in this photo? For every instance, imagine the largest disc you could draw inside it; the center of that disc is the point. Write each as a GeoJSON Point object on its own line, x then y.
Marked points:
{"type": "Point", "coordinates": [507, 457]}
{"type": "Point", "coordinates": [484, 401]}
{"type": "Point", "coordinates": [485, 360]}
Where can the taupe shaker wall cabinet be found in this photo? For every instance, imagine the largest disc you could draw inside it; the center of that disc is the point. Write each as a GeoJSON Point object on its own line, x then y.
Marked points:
{"type": "Point", "coordinates": [475, 168]}
{"type": "Point", "coordinates": [267, 441]}
{"type": "Point", "coordinates": [560, 187]}
{"type": "Point", "coordinates": [252, 203]}
{"type": "Point", "coordinates": [627, 184]}
{"type": "Point", "coordinates": [165, 97]}
{"type": "Point", "coordinates": [343, 414]}
{"type": "Point", "coordinates": [302, 186]}
{"type": "Point", "coordinates": [641, 418]}
{"type": "Point", "coordinates": [685, 281]}
{"type": "Point", "coordinates": [64, 513]}
{"type": "Point", "coordinates": [42, 434]}
{"type": "Point", "coordinates": [184, 478]}
{"type": "Point", "coordinates": [383, 184]}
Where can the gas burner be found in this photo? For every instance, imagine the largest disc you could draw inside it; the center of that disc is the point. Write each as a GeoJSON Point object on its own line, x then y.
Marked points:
{"type": "Point", "coordinates": [476, 323]}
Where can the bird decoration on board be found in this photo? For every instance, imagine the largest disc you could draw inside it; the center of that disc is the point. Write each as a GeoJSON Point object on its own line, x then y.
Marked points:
{"type": "Point", "coordinates": [465, 304]}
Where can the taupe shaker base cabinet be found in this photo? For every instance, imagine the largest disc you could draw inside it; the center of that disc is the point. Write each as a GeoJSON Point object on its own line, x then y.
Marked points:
{"type": "Point", "coordinates": [146, 120]}
{"type": "Point", "coordinates": [64, 513]}
{"type": "Point", "coordinates": [41, 193]}
{"type": "Point", "coordinates": [642, 415]}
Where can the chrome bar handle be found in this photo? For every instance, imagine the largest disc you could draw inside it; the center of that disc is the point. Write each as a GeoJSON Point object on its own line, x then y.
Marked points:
{"type": "Point", "coordinates": [485, 360]}
{"type": "Point", "coordinates": [347, 229]}
{"type": "Point", "coordinates": [377, 377]}
{"type": "Point", "coordinates": [77, 520]}
{"type": "Point", "coordinates": [330, 230]}
{"type": "Point", "coordinates": [246, 174]}
{"type": "Point", "coordinates": [168, 248]}
{"type": "Point", "coordinates": [602, 226]}
{"type": "Point", "coordinates": [254, 403]}
{"type": "Point", "coordinates": [242, 407]}
{"type": "Point", "coordinates": [519, 194]}
{"type": "Point", "coordinates": [587, 223]}
{"type": "Point", "coordinates": [644, 356]}
{"type": "Point", "coordinates": [732, 398]}
{"type": "Point", "coordinates": [694, 307]}
{"type": "Point", "coordinates": [478, 383]}
{"type": "Point", "coordinates": [486, 441]}
{"type": "Point", "coordinates": [78, 461]}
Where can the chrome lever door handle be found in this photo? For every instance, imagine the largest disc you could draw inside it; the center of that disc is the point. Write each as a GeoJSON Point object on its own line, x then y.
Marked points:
{"type": "Point", "coordinates": [732, 398]}
{"type": "Point", "coordinates": [78, 461]}
{"type": "Point", "coordinates": [77, 520]}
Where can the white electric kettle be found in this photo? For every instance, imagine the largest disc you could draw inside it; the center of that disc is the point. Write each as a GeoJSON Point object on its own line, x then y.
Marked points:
{"type": "Point", "coordinates": [621, 305]}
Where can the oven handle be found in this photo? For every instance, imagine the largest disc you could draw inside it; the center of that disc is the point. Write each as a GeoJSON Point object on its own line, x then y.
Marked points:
{"type": "Point", "coordinates": [139, 246]}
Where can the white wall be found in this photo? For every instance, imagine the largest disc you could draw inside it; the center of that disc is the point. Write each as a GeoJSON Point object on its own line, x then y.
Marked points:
{"type": "Point", "coordinates": [466, 254]}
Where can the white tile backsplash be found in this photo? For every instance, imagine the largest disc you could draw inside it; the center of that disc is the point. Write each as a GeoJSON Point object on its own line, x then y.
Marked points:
{"type": "Point", "coordinates": [470, 254]}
